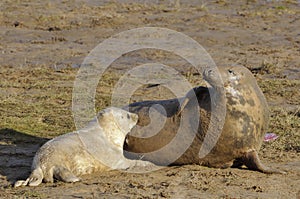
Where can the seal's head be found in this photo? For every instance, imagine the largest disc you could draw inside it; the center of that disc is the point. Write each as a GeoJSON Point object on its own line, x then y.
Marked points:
{"type": "Point", "coordinates": [116, 123]}
{"type": "Point", "coordinates": [124, 119]}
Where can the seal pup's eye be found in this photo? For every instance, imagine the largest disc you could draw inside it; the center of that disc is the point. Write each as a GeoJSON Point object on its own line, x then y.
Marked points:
{"type": "Point", "coordinates": [128, 116]}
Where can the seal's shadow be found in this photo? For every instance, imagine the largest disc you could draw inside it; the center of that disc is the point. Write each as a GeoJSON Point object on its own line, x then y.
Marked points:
{"type": "Point", "coordinates": [16, 153]}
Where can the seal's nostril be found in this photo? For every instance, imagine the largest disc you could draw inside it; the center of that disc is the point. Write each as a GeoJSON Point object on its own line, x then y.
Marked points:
{"type": "Point", "coordinates": [230, 71]}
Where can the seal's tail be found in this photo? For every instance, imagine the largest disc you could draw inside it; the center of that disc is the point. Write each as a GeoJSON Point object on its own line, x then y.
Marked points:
{"type": "Point", "coordinates": [35, 178]}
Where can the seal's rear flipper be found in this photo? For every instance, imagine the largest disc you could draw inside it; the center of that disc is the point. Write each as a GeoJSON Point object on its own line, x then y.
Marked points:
{"type": "Point", "coordinates": [252, 161]}
{"type": "Point", "coordinates": [35, 178]}
{"type": "Point", "coordinates": [64, 174]}
{"type": "Point", "coordinates": [21, 183]}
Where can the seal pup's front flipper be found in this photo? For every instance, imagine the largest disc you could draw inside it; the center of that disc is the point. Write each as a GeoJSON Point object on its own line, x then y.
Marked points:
{"type": "Point", "coordinates": [65, 175]}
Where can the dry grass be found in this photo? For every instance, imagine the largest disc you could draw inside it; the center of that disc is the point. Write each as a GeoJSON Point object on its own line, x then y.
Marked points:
{"type": "Point", "coordinates": [36, 101]}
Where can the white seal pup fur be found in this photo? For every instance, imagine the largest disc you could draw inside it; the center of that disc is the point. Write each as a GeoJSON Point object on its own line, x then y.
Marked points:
{"type": "Point", "coordinates": [98, 147]}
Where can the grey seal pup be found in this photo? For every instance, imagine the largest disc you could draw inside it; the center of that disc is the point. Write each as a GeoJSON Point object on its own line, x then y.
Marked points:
{"type": "Point", "coordinates": [98, 147]}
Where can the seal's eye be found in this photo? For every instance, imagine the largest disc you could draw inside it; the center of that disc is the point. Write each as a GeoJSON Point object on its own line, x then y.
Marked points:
{"type": "Point", "coordinates": [128, 116]}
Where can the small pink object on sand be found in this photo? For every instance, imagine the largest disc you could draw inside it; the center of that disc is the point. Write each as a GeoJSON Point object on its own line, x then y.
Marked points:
{"type": "Point", "coordinates": [270, 137]}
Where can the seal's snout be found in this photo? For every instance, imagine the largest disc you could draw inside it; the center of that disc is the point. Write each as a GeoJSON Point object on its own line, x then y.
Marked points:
{"type": "Point", "coordinates": [134, 117]}
{"type": "Point", "coordinates": [208, 72]}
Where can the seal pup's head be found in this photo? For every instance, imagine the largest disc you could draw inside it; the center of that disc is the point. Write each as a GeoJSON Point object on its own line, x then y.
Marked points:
{"type": "Point", "coordinates": [116, 124]}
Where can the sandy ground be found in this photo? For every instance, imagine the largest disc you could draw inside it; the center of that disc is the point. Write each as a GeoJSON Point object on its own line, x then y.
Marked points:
{"type": "Point", "coordinates": [42, 45]}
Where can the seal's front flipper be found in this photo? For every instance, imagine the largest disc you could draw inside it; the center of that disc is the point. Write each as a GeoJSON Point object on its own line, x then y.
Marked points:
{"type": "Point", "coordinates": [252, 161]}
{"type": "Point", "coordinates": [65, 175]}
{"type": "Point", "coordinates": [141, 166]}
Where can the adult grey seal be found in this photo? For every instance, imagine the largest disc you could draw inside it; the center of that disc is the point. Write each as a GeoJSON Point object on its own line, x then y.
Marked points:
{"type": "Point", "coordinates": [246, 122]}
{"type": "Point", "coordinates": [98, 147]}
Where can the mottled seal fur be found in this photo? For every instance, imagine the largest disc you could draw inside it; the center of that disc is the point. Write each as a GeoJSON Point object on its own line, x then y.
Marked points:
{"type": "Point", "coordinates": [246, 122]}
{"type": "Point", "coordinates": [98, 147]}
